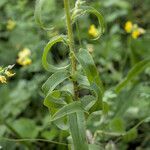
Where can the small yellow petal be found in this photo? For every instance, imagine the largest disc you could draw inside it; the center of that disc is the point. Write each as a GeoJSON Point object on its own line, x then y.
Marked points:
{"type": "Point", "coordinates": [27, 61]}
{"type": "Point", "coordinates": [10, 25]}
{"type": "Point", "coordinates": [9, 74]}
{"type": "Point", "coordinates": [93, 31]}
{"type": "Point", "coordinates": [3, 79]}
{"type": "Point", "coordinates": [23, 57]}
{"type": "Point", "coordinates": [19, 61]}
{"type": "Point", "coordinates": [24, 53]}
{"type": "Point", "coordinates": [128, 26]}
{"type": "Point", "coordinates": [24, 62]}
{"type": "Point", "coordinates": [135, 34]}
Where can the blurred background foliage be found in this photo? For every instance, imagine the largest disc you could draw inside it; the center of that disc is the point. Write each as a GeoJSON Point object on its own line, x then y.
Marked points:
{"type": "Point", "coordinates": [22, 114]}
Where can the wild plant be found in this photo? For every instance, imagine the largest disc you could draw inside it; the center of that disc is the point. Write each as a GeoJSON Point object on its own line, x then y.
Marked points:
{"type": "Point", "coordinates": [68, 107]}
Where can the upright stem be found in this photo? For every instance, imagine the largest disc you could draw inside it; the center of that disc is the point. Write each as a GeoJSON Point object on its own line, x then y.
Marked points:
{"type": "Point", "coordinates": [69, 25]}
{"type": "Point", "coordinates": [76, 120]}
{"type": "Point", "coordinates": [71, 45]}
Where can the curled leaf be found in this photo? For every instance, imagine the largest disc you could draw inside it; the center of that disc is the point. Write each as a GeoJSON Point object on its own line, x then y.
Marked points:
{"type": "Point", "coordinates": [90, 10]}
{"type": "Point", "coordinates": [57, 99]}
{"type": "Point", "coordinates": [68, 109]}
{"type": "Point", "coordinates": [37, 14]}
{"type": "Point", "coordinates": [46, 65]}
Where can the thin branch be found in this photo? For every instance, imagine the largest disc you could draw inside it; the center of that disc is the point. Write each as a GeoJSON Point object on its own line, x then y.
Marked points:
{"type": "Point", "coordinates": [33, 140]}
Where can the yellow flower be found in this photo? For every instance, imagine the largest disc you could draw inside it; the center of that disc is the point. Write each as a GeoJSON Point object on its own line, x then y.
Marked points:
{"type": "Point", "coordinates": [24, 53]}
{"type": "Point", "coordinates": [134, 29]}
{"type": "Point", "coordinates": [9, 74]}
{"type": "Point", "coordinates": [128, 26]}
{"type": "Point", "coordinates": [27, 61]}
{"type": "Point", "coordinates": [3, 79]}
{"type": "Point", "coordinates": [23, 57]}
{"type": "Point", "coordinates": [136, 33]}
{"type": "Point", "coordinates": [10, 25]}
{"type": "Point", "coordinates": [93, 31]}
{"type": "Point", "coordinates": [24, 61]}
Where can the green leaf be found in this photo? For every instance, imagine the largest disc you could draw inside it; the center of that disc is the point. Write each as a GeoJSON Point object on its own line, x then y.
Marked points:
{"type": "Point", "coordinates": [88, 101]}
{"type": "Point", "coordinates": [89, 68]}
{"type": "Point", "coordinates": [46, 65]}
{"type": "Point", "coordinates": [38, 13]}
{"type": "Point", "coordinates": [125, 100]}
{"type": "Point", "coordinates": [82, 80]}
{"type": "Point", "coordinates": [57, 99]}
{"type": "Point", "coordinates": [62, 123]}
{"type": "Point", "coordinates": [94, 147]}
{"type": "Point", "coordinates": [54, 80]}
{"type": "Point", "coordinates": [68, 109]}
{"type": "Point", "coordinates": [130, 135]}
{"type": "Point", "coordinates": [50, 135]}
{"type": "Point", "coordinates": [99, 95]}
{"type": "Point", "coordinates": [137, 69]}
{"type": "Point", "coordinates": [26, 128]}
{"type": "Point", "coordinates": [15, 100]}
{"type": "Point", "coordinates": [117, 125]}
{"type": "Point", "coordinates": [93, 77]}
{"type": "Point", "coordinates": [77, 129]}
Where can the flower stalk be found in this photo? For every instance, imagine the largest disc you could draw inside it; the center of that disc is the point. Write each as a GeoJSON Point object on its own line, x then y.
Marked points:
{"type": "Point", "coordinates": [71, 45]}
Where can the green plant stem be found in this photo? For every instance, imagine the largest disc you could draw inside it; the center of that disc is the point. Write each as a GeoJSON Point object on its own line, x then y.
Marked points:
{"type": "Point", "coordinates": [34, 140]}
{"type": "Point", "coordinates": [76, 120]}
{"type": "Point", "coordinates": [71, 45]}
{"type": "Point", "coordinates": [132, 55]}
